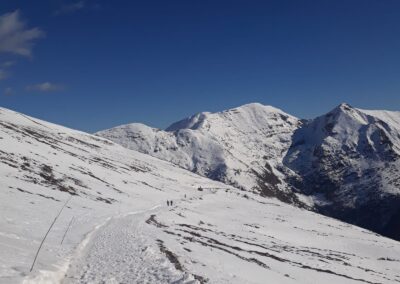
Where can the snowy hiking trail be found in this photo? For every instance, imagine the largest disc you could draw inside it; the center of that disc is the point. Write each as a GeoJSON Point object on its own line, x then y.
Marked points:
{"type": "Point", "coordinates": [137, 248]}
{"type": "Point", "coordinates": [119, 251]}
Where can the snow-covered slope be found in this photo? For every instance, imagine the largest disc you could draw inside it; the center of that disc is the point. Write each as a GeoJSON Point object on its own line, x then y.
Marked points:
{"type": "Point", "coordinates": [43, 165]}
{"type": "Point", "coordinates": [116, 228]}
{"type": "Point", "coordinates": [348, 162]}
{"type": "Point", "coordinates": [343, 164]}
{"type": "Point", "coordinates": [233, 146]}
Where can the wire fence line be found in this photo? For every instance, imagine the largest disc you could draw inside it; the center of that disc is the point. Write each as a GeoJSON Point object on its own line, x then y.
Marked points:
{"type": "Point", "coordinates": [66, 231]}
{"type": "Point", "coordinates": [48, 231]}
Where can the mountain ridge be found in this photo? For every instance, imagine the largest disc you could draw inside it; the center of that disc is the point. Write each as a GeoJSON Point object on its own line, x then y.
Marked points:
{"type": "Point", "coordinates": [109, 222]}
{"type": "Point", "coordinates": [310, 163]}
{"type": "Point", "coordinates": [352, 160]}
{"type": "Point", "coordinates": [216, 145]}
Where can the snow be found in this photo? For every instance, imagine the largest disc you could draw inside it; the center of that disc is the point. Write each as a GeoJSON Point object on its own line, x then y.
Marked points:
{"type": "Point", "coordinates": [232, 146]}
{"type": "Point", "coordinates": [348, 162]}
{"type": "Point", "coordinates": [118, 228]}
{"type": "Point", "coordinates": [390, 117]}
{"type": "Point", "coordinates": [340, 163]}
{"type": "Point", "coordinates": [288, 244]}
{"type": "Point", "coordinates": [42, 164]}
{"type": "Point", "coordinates": [120, 253]}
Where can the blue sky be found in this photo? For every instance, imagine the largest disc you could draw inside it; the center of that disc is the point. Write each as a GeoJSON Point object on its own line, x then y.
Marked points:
{"type": "Point", "coordinates": [94, 64]}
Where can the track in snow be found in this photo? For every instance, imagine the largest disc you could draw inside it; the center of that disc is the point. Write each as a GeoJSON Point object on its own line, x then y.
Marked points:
{"type": "Point", "coordinates": [120, 252]}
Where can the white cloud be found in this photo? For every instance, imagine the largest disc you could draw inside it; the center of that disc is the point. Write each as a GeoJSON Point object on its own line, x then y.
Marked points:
{"type": "Point", "coordinates": [45, 87]}
{"type": "Point", "coordinates": [70, 8]}
{"type": "Point", "coordinates": [15, 37]}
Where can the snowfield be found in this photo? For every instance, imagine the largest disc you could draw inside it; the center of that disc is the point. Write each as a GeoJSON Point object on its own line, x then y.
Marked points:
{"type": "Point", "coordinates": [343, 164]}
{"type": "Point", "coordinates": [116, 227]}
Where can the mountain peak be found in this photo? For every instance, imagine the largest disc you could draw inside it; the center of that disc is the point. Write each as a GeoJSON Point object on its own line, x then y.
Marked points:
{"type": "Point", "coordinates": [257, 107]}
{"type": "Point", "coordinates": [347, 112]}
{"type": "Point", "coordinates": [191, 122]}
{"type": "Point", "coordinates": [115, 191]}
{"type": "Point", "coordinates": [197, 120]}
{"type": "Point", "coordinates": [343, 107]}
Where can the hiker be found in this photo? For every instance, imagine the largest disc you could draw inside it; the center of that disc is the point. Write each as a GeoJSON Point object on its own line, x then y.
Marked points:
{"type": "Point", "coordinates": [170, 202]}
{"type": "Point", "coordinates": [167, 203]}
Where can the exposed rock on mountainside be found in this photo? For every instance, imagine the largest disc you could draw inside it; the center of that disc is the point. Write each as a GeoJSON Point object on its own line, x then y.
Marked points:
{"type": "Point", "coordinates": [233, 146]}
{"type": "Point", "coordinates": [343, 164]}
{"type": "Point", "coordinates": [348, 162]}
{"type": "Point", "coordinates": [104, 208]}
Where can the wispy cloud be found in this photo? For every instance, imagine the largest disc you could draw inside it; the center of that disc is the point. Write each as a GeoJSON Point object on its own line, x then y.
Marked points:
{"type": "Point", "coordinates": [71, 7]}
{"type": "Point", "coordinates": [45, 87]}
{"type": "Point", "coordinates": [15, 37]}
{"type": "Point", "coordinates": [4, 69]}
{"type": "Point", "coordinates": [3, 74]}
{"type": "Point", "coordinates": [8, 91]}
{"type": "Point", "coordinates": [8, 64]}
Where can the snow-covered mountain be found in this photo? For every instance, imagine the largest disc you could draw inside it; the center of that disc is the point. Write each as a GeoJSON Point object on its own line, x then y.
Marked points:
{"type": "Point", "coordinates": [348, 162]}
{"type": "Point", "coordinates": [103, 210]}
{"type": "Point", "coordinates": [233, 146]}
{"type": "Point", "coordinates": [343, 164]}
{"type": "Point", "coordinates": [43, 165]}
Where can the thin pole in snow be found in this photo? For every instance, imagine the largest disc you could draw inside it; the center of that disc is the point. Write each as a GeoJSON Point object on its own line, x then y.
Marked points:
{"type": "Point", "coordinates": [66, 231]}
{"type": "Point", "coordinates": [45, 236]}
